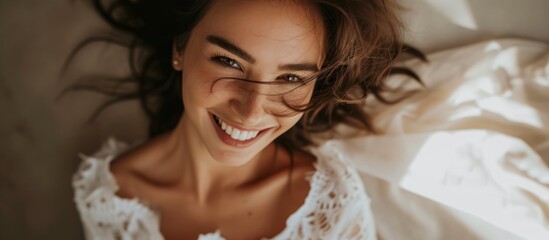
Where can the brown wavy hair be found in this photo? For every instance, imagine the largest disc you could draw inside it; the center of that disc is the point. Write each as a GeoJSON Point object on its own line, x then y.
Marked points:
{"type": "Point", "coordinates": [362, 38]}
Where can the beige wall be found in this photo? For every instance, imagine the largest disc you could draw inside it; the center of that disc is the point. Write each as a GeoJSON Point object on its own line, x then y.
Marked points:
{"type": "Point", "coordinates": [40, 137]}
{"type": "Point", "coordinates": [439, 24]}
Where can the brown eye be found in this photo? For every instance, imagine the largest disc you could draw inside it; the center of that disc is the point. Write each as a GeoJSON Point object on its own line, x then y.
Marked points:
{"type": "Point", "coordinates": [226, 61]}
{"type": "Point", "coordinates": [291, 78]}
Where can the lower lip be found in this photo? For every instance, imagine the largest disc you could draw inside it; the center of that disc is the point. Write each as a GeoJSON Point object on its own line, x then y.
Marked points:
{"type": "Point", "coordinates": [230, 141]}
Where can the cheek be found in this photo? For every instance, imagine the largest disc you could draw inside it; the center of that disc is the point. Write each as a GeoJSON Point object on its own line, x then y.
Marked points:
{"type": "Point", "coordinates": [196, 87]}
{"type": "Point", "coordinates": [298, 97]}
{"type": "Point", "coordinates": [204, 83]}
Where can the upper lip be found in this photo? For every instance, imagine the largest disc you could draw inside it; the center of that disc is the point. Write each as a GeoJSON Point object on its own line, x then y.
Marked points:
{"type": "Point", "coordinates": [238, 126]}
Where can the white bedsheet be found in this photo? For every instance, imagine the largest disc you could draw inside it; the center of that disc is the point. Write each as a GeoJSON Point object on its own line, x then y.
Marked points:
{"type": "Point", "coordinates": [466, 158]}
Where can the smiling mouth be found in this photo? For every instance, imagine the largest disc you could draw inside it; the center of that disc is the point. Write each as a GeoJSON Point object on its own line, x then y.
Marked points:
{"type": "Point", "coordinates": [235, 133]}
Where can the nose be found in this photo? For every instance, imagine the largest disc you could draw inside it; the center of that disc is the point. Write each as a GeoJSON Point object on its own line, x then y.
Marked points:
{"type": "Point", "coordinates": [251, 106]}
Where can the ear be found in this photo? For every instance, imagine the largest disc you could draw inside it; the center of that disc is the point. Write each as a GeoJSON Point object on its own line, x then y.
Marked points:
{"type": "Point", "coordinates": [177, 58]}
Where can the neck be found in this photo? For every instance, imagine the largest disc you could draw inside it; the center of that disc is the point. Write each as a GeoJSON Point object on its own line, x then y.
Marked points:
{"type": "Point", "coordinates": [205, 177]}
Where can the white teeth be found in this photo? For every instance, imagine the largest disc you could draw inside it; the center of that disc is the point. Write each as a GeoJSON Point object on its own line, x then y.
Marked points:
{"type": "Point", "coordinates": [235, 133]}
{"type": "Point", "coordinates": [243, 136]}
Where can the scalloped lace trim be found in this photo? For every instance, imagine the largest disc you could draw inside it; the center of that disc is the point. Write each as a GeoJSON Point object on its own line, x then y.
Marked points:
{"type": "Point", "coordinates": [336, 206]}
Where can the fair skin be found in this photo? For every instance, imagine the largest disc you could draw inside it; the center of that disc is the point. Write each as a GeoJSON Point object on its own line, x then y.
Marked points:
{"type": "Point", "coordinates": [198, 176]}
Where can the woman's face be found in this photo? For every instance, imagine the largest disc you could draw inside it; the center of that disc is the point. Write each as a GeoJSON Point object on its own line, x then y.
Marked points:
{"type": "Point", "coordinates": [266, 41]}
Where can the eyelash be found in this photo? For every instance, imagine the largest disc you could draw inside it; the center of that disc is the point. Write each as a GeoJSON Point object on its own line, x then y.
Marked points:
{"type": "Point", "coordinates": [298, 78]}
{"type": "Point", "coordinates": [226, 61]}
{"type": "Point", "coordinates": [229, 62]}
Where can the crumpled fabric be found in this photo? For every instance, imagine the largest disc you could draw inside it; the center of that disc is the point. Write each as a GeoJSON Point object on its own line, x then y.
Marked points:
{"type": "Point", "coordinates": [465, 157]}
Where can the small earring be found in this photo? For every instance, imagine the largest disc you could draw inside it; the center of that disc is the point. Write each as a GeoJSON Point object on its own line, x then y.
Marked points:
{"type": "Point", "coordinates": [175, 63]}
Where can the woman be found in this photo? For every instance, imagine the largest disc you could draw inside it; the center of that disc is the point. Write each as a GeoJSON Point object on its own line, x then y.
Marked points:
{"type": "Point", "coordinates": [255, 79]}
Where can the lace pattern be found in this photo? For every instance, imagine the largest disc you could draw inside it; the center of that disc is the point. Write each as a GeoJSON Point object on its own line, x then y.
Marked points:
{"type": "Point", "coordinates": [103, 214]}
{"type": "Point", "coordinates": [336, 207]}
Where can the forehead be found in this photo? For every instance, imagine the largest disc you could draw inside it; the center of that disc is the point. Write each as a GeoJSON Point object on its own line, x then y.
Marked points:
{"type": "Point", "coordinates": [283, 29]}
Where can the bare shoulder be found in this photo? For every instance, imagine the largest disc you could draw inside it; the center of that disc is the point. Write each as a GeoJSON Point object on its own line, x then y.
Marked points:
{"type": "Point", "coordinates": [148, 163]}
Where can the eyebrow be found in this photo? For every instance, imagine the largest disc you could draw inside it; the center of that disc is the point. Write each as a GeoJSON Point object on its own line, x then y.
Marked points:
{"type": "Point", "coordinates": [300, 67]}
{"type": "Point", "coordinates": [231, 47]}
{"type": "Point", "coordinates": [225, 44]}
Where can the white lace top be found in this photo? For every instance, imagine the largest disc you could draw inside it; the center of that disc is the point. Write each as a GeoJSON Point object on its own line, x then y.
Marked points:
{"type": "Point", "coordinates": [336, 206]}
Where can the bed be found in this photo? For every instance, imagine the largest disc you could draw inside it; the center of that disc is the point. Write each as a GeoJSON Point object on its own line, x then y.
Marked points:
{"type": "Point", "coordinates": [466, 156]}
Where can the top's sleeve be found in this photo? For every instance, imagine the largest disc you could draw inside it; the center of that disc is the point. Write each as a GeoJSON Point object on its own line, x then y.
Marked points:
{"type": "Point", "coordinates": [104, 215]}
{"type": "Point", "coordinates": [337, 206]}
{"type": "Point", "coordinates": [342, 197]}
